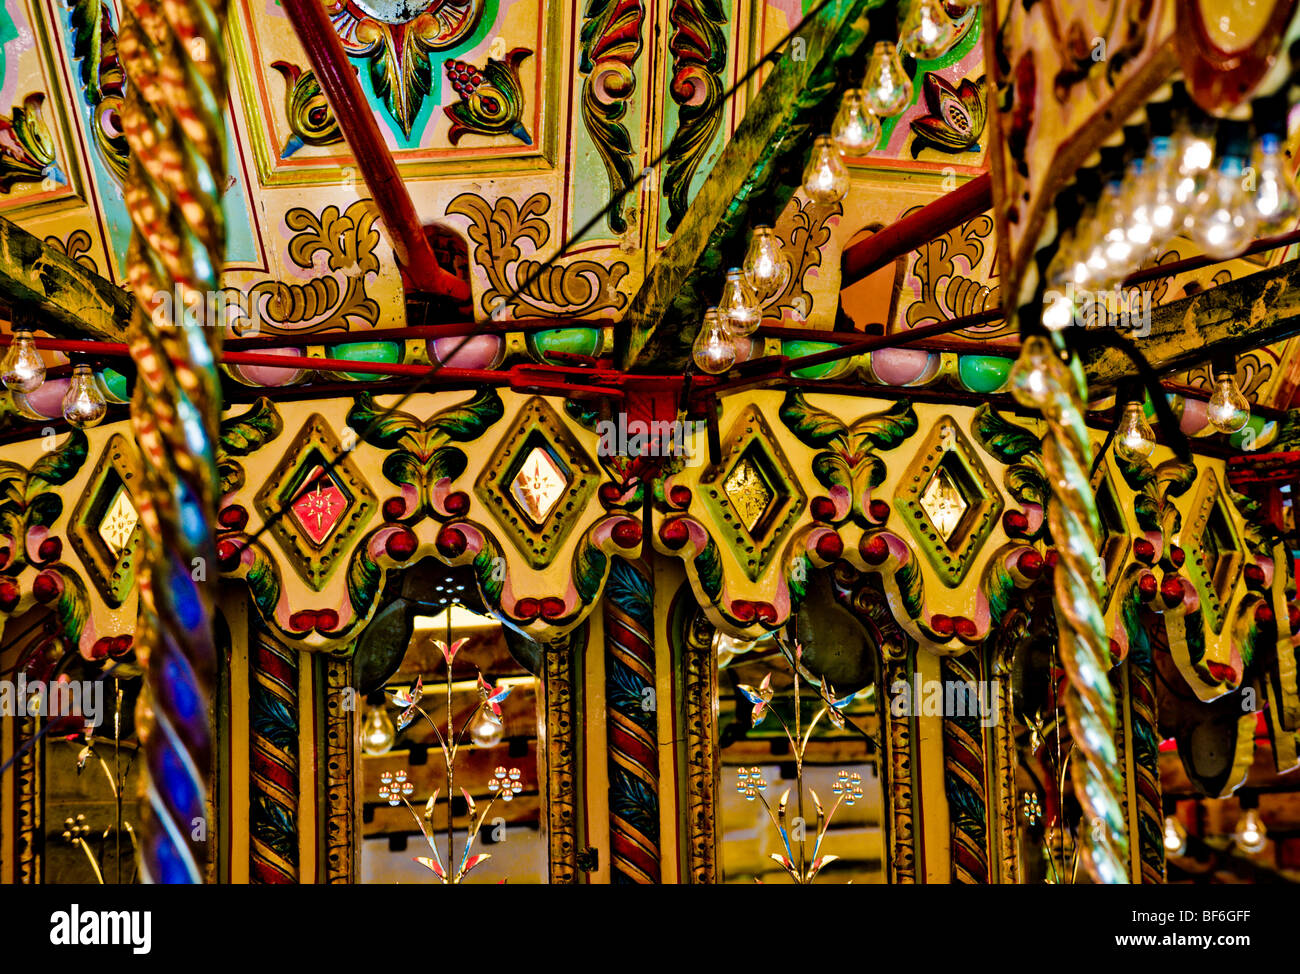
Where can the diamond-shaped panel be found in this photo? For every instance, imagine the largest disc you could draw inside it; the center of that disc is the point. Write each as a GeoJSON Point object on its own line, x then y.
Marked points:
{"type": "Point", "coordinates": [948, 501]}
{"type": "Point", "coordinates": [119, 522]}
{"type": "Point", "coordinates": [105, 526]}
{"type": "Point", "coordinates": [1215, 552]}
{"type": "Point", "coordinates": [749, 492]}
{"type": "Point", "coordinates": [538, 483]}
{"type": "Point", "coordinates": [320, 505]}
{"type": "Point", "coordinates": [752, 494]}
{"type": "Point", "coordinates": [326, 505]}
{"type": "Point", "coordinates": [943, 502]}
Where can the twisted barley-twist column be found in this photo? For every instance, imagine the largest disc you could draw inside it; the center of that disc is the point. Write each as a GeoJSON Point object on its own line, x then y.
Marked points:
{"type": "Point", "coordinates": [964, 775]}
{"type": "Point", "coordinates": [174, 57]}
{"type": "Point", "coordinates": [274, 760]}
{"type": "Point", "coordinates": [633, 732]}
{"type": "Point", "coordinates": [1043, 380]}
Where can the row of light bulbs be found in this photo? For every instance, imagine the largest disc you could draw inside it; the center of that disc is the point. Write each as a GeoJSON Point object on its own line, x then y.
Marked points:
{"type": "Point", "coordinates": [1249, 835]}
{"type": "Point", "coordinates": [1227, 410]}
{"type": "Point", "coordinates": [23, 371]}
{"type": "Point", "coordinates": [926, 32]}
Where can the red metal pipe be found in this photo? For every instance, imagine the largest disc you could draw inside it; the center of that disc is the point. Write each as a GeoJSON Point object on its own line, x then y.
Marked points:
{"type": "Point", "coordinates": [866, 256]}
{"type": "Point", "coordinates": [1160, 271]}
{"type": "Point", "coordinates": [342, 88]}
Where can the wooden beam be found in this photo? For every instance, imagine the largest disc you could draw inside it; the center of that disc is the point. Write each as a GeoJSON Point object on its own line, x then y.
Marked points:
{"type": "Point", "coordinates": [1250, 312]}
{"type": "Point", "coordinates": [62, 294]}
{"type": "Point", "coordinates": [765, 153]}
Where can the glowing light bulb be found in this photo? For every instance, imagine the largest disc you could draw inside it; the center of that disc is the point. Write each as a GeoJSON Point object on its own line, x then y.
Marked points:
{"type": "Point", "coordinates": [23, 369]}
{"type": "Point", "coordinates": [1275, 199]}
{"type": "Point", "coordinates": [765, 265]}
{"type": "Point", "coordinates": [1140, 231]}
{"type": "Point", "coordinates": [1228, 410]}
{"type": "Point", "coordinates": [887, 88]}
{"type": "Point", "coordinates": [1113, 215]}
{"type": "Point", "coordinates": [855, 129]}
{"type": "Point", "coordinates": [83, 404]}
{"type": "Point", "coordinates": [486, 732]}
{"type": "Point", "coordinates": [1160, 197]}
{"type": "Point", "coordinates": [740, 304]}
{"type": "Point", "coordinates": [825, 178]}
{"type": "Point", "coordinates": [927, 31]}
{"type": "Point", "coordinates": [1194, 154]}
{"type": "Point", "coordinates": [378, 735]}
{"type": "Point", "coordinates": [1223, 220]}
{"type": "Point", "coordinates": [1031, 378]}
{"type": "Point", "coordinates": [1250, 834]}
{"type": "Point", "coordinates": [1175, 836]}
{"type": "Point", "coordinates": [714, 350]}
{"type": "Point", "coordinates": [1058, 310]}
{"type": "Point", "coordinates": [1134, 438]}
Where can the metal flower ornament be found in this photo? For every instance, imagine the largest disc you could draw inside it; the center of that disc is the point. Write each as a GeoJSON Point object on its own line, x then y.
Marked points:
{"type": "Point", "coordinates": [801, 864]}
{"type": "Point", "coordinates": [505, 784]}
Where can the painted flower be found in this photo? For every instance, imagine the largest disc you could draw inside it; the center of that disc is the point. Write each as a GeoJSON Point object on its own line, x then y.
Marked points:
{"type": "Point", "coordinates": [1033, 811]}
{"type": "Point", "coordinates": [27, 147]}
{"type": "Point", "coordinates": [848, 786]}
{"type": "Point", "coordinates": [449, 652]}
{"type": "Point", "coordinates": [409, 700]}
{"type": "Point", "coordinates": [492, 697]}
{"type": "Point", "coordinates": [505, 784]}
{"type": "Point", "coordinates": [750, 781]}
{"type": "Point", "coordinates": [956, 119]}
{"type": "Point", "coordinates": [394, 788]}
{"type": "Point", "coordinates": [492, 100]}
{"type": "Point", "coordinates": [760, 697]}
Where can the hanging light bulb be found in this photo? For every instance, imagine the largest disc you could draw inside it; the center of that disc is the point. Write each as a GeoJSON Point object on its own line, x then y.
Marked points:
{"type": "Point", "coordinates": [927, 31]}
{"type": "Point", "coordinates": [1134, 438]}
{"type": "Point", "coordinates": [714, 350]}
{"type": "Point", "coordinates": [1223, 219]}
{"type": "Point", "coordinates": [1030, 377]}
{"type": "Point", "coordinates": [1250, 834]}
{"type": "Point", "coordinates": [84, 405]}
{"type": "Point", "coordinates": [887, 88]}
{"type": "Point", "coordinates": [1175, 836]}
{"type": "Point", "coordinates": [23, 369]}
{"type": "Point", "coordinates": [485, 731]}
{"type": "Point", "coordinates": [378, 735]}
{"type": "Point", "coordinates": [855, 129]}
{"type": "Point", "coordinates": [1275, 199]}
{"type": "Point", "coordinates": [765, 266]}
{"type": "Point", "coordinates": [825, 178]}
{"type": "Point", "coordinates": [1140, 231]}
{"type": "Point", "coordinates": [1114, 215]}
{"type": "Point", "coordinates": [1194, 152]}
{"type": "Point", "coordinates": [739, 304]}
{"type": "Point", "coordinates": [1158, 193]}
{"type": "Point", "coordinates": [1228, 410]}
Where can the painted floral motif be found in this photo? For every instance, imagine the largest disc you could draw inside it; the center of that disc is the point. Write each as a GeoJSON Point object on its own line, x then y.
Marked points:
{"type": "Point", "coordinates": [492, 100]}
{"type": "Point", "coordinates": [26, 146]}
{"type": "Point", "coordinates": [310, 118]}
{"type": "Point", "coordinates": [395, 38]}
{"type": "Point", "coordinates": [956, 119]}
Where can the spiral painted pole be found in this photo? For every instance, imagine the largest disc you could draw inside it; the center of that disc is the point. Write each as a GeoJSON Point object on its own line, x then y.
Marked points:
{"type": "Point", "coordinates": [274, 762]}
{"type": "Point", "coordinates": [174, 57]}
{"type": "Point", "coordinates": [632, 725]}
{"type": "Point", "coordinates": [1043, 380]}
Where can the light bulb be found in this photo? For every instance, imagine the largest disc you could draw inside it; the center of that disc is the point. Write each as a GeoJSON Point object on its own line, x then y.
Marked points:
{"type": "Point", "coordinates": [378, 735]}
{"type": "Point", "coordinates": [887, 88]}
{"type": "Point", "coordinates": [740, 304]}
{"type": "Point", "coordinates": [714, 350]}
{"type": "Point", "coordinates": [1114, 217]}
{"type": "Point", "coordinates": [1193, 154]}
{"type": "Point", "coordinates": [23, 369]}
{"type": "Point", "coordinates": [826, 178]}
{"type": "Point", "coordinates": [83, 404]}
{"type": "Point", "coordinates": [1058, 312]}
{"type": "Point", "coordinates": [927, 31]}
{"type": "Point", "coordinates": [765, 266]}
{"type": "Point", "coordinates": [1175, 836]}
{"type": "Point", "coordinates": [1223, 220]}
{"type": "Point", "coordinates": [1275, 199]}
{"type": "Point", "coordinates": [1140, 232]}
{"type": "Point", "coordinates": [1250, 834]}
{"type": "Point", "coordinates": [486, 732]}
{"type": "Point", "coordinates": [1134, 438]}
{"type": "Point", "coordinates": [1031, 378]}
{"type": "Point", "coordinates": [855, 129]}
{"type": "Point", "coordinates": [1228, 410]}
{"type": "Point", "coordinates": [1161, 178]}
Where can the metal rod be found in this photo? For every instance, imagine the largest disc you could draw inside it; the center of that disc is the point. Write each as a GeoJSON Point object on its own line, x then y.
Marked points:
{"type": "Point", "coordinates": [342, 88]}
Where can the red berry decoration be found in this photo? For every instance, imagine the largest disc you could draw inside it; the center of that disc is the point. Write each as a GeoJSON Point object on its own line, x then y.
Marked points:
{"type": "Point", "coordinates": [9, 595]}
{"type": "Point", "coordinates": [1264, 615]}
{"type": "Point", "coordinates": [303, 621]}
{"type": "Point", "coordinates": [552, 608]}
{"type": "Point", "coordinates": [942, 625]}
{"type": "Point", "coordinates": [1293, 616]}
{"type": "Point", "coordinates": [1171, 590]}
{"type": "Point", "coordinates": [527, 609]}
{"type": "Point", "coordinates": [964, 627]}
{"type": "Point", "coordinates": [45, 588]}
{"type": "Point", "coordinates": [1144, 551]}
{"type": "Point", "coordinates": [1147, 587]}
{"type": "Point", "coordinates": [830, 546]}
{"type": "Point", "coordinates": [234, 517]}
{"type": "Point", "coordinates": [401, 545]}
{"type": "Point", "coordinates": [1177, 556]}
{"type": "Point", "coordinates": [227, 554]}
{"type": "Point", "coordinates": [51, 548]}
{"type": "Point", "coordinates": [457, 503]}
{"type": "Point", "coordinates": [609, 493]}
{"type": "Point", "coordinates": [1030, 564]}
{"type": "Point", "coordinates": [327, 620]}
{"type": "Point", "coordinates": [879, 511]}
{"type": "Point", "coordinates": [680, 496]}
{"type": "Point", "coordinates": [674, 534]}
{"type": "Point", "coordinates": [822, 509]}
{"type": "Point", "coordinates": [451, 542]}
{"type": "Point", "coordinates": [394, 508]}
{"type": "Point", "coordinates": [1254, 576]}
{"type": "Point", "coordinates": [875, 550]}
{"type": "Point", "coordinates": [627, 533]}
{"type": "Point", "coordinates": [1015, 523]}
